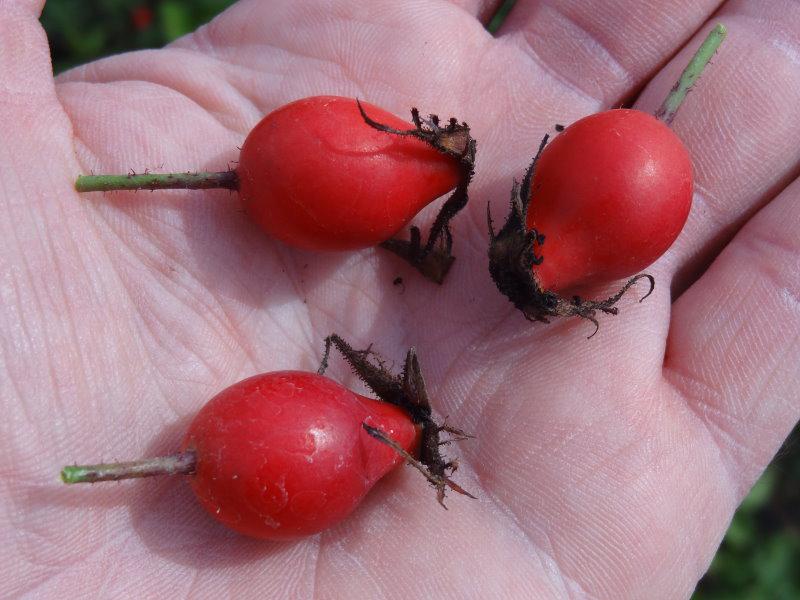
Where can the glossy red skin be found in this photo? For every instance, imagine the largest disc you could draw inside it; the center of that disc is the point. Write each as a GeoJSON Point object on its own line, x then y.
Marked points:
{"type": "Point", "coordinates": [283, 455]}
{"type": "Point", "coordinates": [314, 175]}
{"type": "Point", "coordinates": [610, 193]}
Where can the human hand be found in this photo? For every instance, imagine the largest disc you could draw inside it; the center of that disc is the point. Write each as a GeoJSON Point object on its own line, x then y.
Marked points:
{"type": "Point", "coordinates": [604, 468]}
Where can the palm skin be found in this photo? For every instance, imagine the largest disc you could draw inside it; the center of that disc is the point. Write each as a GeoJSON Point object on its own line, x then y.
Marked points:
{"type": "Point", "coordinates": [604, 468]}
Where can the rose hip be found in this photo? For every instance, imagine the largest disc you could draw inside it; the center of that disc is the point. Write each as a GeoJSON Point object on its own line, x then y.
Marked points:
{"type": "Point", "coordinates": [605, 199]}
{"type": "Point", "coordinates": [288, 454]}
{"type": "Point", "coordinates": [332, 173]}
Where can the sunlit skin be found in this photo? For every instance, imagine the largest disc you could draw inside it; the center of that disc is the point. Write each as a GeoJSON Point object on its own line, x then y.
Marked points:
{"type": "Point", "coordinates": [607, 468]}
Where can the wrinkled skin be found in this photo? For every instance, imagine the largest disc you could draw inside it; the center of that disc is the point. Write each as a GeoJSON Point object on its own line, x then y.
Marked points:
{"type": "Point", "coordinates": [605, 468]}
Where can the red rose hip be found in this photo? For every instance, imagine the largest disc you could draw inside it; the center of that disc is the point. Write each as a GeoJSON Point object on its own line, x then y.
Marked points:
{"type": "Point", "coordinates": [284, 455]}
{"type": "Point", "coordinates": [333, 173]}
{"type": "Point", "coordinates": [315, 175]}
{"type": "Point", "coordinates": [610, 194]}
{"type": "Point", "coordinates": [605, 199]}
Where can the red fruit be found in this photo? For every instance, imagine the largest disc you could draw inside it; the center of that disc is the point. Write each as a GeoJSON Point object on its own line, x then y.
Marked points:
{"type": "Point", "coordinates": [328, 173]}
{"type": "Point", "coordinates": [604, 200]}
{"type": "Point", "coordinates": [610, 194]}
{"type": "Point", "coordinates": [315, 175]}
{"type": "Point", "coordinates": [287, 454]}
{"type": "Point", "coordinates": [142, 17]}
{"type": "Point", "coordinates": [284, 455]}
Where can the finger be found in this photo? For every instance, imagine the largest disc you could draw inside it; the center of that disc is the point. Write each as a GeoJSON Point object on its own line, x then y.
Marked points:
{"type": "Point", "coordinates": [47, 274]}
{"type": "Point", "coordinates": [740, 125]}
{"type": "Point", "coordinates": [33, 7]}
{"type": "Point", "coordinates": [735, 338]}
{"type": "Point", "coordinates": [25, 57]}
{"type": "Point", "coordinates": [395, 54]}
{"type": "Point", "coordinates": [603, 49]}
{"type": "Point", "coordinates": [35, 126]}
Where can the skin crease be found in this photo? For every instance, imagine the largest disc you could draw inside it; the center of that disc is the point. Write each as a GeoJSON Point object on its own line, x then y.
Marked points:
{"type": "Point", "coordinates": [607, 468]}
{"type": "Point", "coordinates": [359, 185]}
{"type": "Point", "coordinates": [283, 455]}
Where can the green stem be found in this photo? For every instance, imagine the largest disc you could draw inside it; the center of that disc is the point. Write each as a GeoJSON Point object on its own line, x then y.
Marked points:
{"type": "Point", "coordinates": [693, 70]}
{"type": "Point", "coordinates": [158, 181]}
{"type": "Point", "coordinates": [182, 463]}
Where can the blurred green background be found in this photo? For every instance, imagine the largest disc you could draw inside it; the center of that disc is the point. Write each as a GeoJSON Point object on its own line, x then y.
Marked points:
{"type": "Point", "coordinates": [760, 557]}
{"type": "Point", "coordinates": [81, 30]}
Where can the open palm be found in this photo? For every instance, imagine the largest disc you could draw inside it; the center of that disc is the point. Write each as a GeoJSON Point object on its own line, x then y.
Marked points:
{"type": "Point", "coordinates": [604, 468]}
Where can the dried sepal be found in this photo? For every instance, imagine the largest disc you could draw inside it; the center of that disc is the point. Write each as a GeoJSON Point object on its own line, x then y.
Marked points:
{"type": "Point", "coordinates": [434, 258]}
{"type": "Point", "coordinates": [408, 392]}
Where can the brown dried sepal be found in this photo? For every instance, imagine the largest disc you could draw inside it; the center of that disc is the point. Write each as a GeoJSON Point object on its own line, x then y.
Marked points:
{"type": "Point", "coordinates": [406, 391]}
{"type": "Point", "coordinates": [512, 264]}
{"type": "Point", "coordinates": [434, 258]}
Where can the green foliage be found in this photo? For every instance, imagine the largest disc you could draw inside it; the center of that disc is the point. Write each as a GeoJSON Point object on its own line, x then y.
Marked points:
{"type": "Point", "coordinates": [81, 30]}
{"type": "Point", "coordinates": [760, 556]}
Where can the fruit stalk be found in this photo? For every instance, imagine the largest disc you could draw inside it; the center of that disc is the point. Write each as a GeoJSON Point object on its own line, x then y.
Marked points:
{"type": "Point", "coordinates": [182, 463]}
{"type": "Point", "coordinates": [666, 112]}
{"type": "Point", "coordinates": [158, 181]}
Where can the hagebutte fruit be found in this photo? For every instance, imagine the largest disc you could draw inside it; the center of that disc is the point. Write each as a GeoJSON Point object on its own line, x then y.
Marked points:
{"type": "Point", "coordinates": [333, 173]}
{"type": "Point", "coordinates": [315, 175]}
{"type": "Point", "coordinates": [606, 198]}
{"type": "Point", "coordinates": [284, 455]}
{"type": "Point", "coordinates": [610, 194]}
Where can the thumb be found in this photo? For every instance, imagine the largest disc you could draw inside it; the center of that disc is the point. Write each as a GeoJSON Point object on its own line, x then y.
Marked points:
{"type": "Point", "coordinates": [34, 124]}
{"type": "Point", "coordinates": [25, 69]}
{"type": "Point", "coordinates": [37, 166]}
